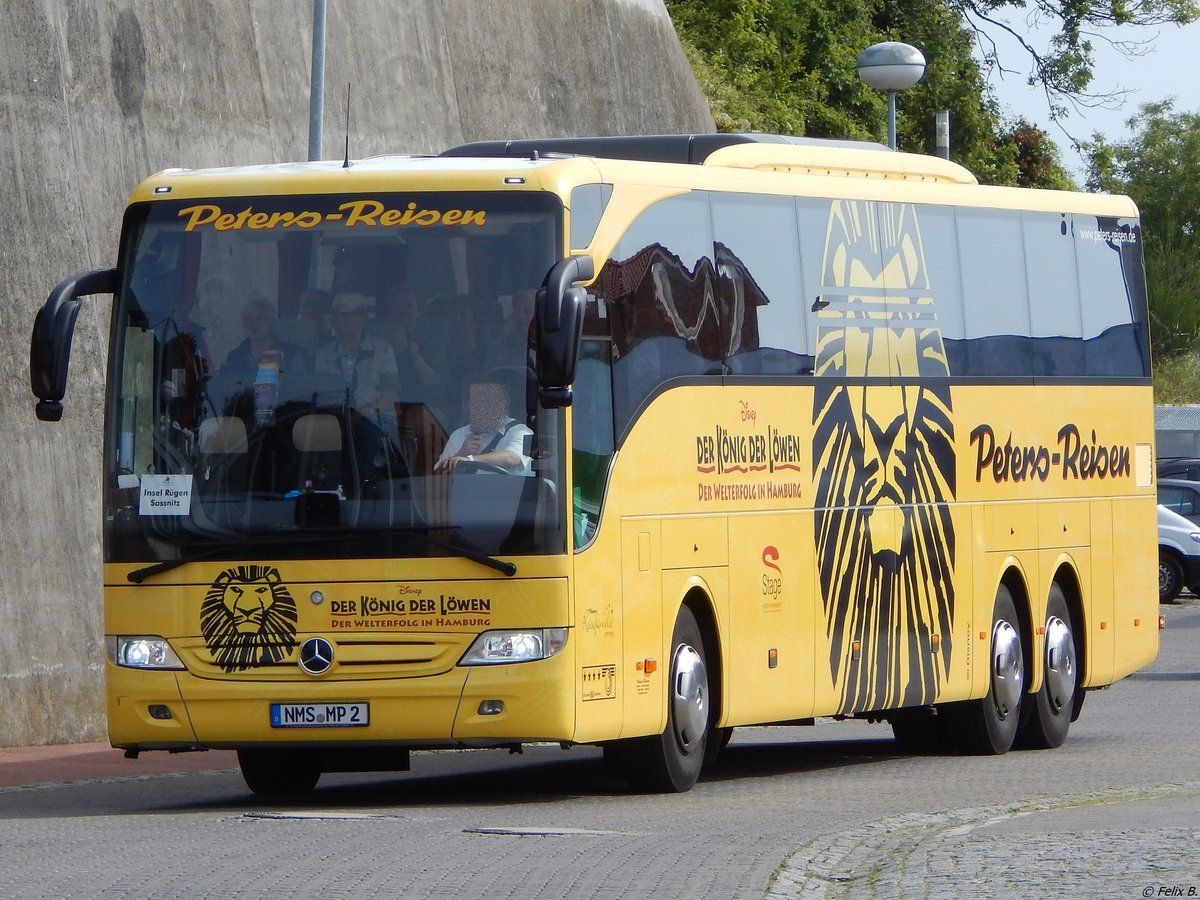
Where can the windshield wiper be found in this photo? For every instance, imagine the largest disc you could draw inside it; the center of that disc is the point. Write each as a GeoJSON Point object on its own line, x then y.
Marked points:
{"type": "Point", "coordinates": [421, 535]}
{"type": "Point", "coordinates": [137, 576]}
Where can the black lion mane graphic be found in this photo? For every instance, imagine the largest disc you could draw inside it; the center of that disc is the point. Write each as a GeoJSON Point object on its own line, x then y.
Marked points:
{"type": "Point", "coordinates": [248, 618]}
{"type": "Point", "coordinates": [891, 598]}
{"type": "Point", "coordinates": [883, 459]}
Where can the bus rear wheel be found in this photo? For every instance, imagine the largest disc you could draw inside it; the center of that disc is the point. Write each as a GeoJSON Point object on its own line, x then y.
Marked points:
{"type": "Point", "coordinates": [671, 762]}
{"type": "Point", "coordinates": [988, 726]}
{"type": "Point", "coordinates": [1047, 715]}
{"type": "Point", "coordinates": [275, 773]}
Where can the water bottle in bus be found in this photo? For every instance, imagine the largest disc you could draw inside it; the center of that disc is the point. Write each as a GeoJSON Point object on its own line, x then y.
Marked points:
{"type": "Point", "coordinates": [266, 387]}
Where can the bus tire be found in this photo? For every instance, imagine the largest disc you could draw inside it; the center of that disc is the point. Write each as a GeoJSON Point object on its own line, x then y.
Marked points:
{"type": "Point", "coordinates": [988, 726]}
{"type": "Point", "coordinates": [274, 773]}
{"type": "Point", "coordinates": [1046, 716]}
{"type": "Point", "coordinates": [671, 762]}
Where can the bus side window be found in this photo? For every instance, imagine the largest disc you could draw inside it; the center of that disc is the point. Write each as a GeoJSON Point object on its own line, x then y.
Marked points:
{"type": "Point", "coordinates": [760, 285]}
{"type": "Point", "coordinates": [592, 436]}
{"type": "Point", "coordinates": [660, 289]}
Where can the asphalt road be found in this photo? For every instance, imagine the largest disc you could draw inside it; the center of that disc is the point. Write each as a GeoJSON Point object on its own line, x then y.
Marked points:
{"type": "Point", "coordinates": [827, 811]}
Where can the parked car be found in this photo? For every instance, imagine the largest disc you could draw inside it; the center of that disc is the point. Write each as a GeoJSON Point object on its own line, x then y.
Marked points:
{"type": "Point", "coordinates": [1178, 555]}
{"type": "Point", "coordinates": [1180, 496]}
{"type": "Point", "coordinates": [1179, 467]}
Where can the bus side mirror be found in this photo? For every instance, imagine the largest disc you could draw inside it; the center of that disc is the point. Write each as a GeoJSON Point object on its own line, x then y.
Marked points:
{"type": "Point", "coordinates": [559, 315]}
{"type": "Point", "coordinates": [53, 329]}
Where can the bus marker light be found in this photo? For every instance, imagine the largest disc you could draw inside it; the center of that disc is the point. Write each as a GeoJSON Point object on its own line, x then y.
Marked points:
{"type": "Point", "coordinates": [650, 666]}
{"type": "Point", "coordinates": [1162, 622]}
{"type": "Point", "coordinates": [1137, 622]}
{"type": "Point", "coordinates": [491, 707]}
{"type": "Point", "coordinates": [1041, 629]}
{"type": "Point", "coordinates": [856, 650]}
{"type": "Point", "coordinates": [935, 641]}
{"type": "Point", "coordinates": [163, 189]}
{"type": "Point", "coordinates": [514, 180]}
{"type": "Point", "coordinates": [772, 658]}
{"type": "Point", "coordinates": [317, 598]}
{"type": "Point", "coordinates": [1103, 625]}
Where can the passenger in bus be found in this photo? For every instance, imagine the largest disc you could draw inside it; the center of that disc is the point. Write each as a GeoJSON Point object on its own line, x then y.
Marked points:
{"type": "Point", "coordinates": [368, 365]}
{"type": "Point", "coordinates": [465, 354]}
{"type": "Point", "coordinates": [399, 319]}
{"type": "Point", "coordinates": [510, 345]}
{"type": "Point", "coordinates": [366, 362]}
{"type": "Point", "coordinates": [491, 436]}
{"type": "Point", "coordinates": [313, 308]}
{"type": "Point", "coordinates": [261, 343]}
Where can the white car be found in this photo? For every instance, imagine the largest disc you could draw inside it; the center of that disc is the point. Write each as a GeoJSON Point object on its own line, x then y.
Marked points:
{"type": "Point", "coordinates": [1178, 555]}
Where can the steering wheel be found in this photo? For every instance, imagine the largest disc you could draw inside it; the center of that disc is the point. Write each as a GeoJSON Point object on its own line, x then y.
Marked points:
{"type": "Point", "coordinates": [475, 467]}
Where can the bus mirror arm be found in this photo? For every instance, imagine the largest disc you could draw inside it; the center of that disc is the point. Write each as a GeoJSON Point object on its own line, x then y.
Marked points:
{"type": "Point", "coordinates": [53, 330]}
{"type": "Point", "coordinates": [561, 304]}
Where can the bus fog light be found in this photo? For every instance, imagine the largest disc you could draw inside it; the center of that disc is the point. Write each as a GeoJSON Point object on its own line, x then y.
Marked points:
{"type": "Point", "coordinates": [159, 711]}
{"type": "Point", "coordinates": [142, 652]}
{"type": "Point", "coordinates": [514, 645]}
{"type": "Point", "coordinates": [491, 707]}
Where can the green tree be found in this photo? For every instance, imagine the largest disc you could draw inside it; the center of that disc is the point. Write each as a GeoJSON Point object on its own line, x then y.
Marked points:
{"type": "Point", "coordinates": [1035, 157]}
{"type": "Point", "coordinates": [775, 65]}
{"type": "Point", "coordinates": [789, 66]}
{"type": "Point", "coordinates": [1159, 167]}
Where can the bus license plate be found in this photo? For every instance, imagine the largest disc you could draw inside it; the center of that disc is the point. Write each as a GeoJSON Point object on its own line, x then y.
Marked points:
{"type": "Point", "coordinates": [319, 715]}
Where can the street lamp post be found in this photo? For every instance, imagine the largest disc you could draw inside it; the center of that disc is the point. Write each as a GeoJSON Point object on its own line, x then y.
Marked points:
{"type": "Point", "coordinates": [316, 90]}
{"type": "Point", "coordinates": [891, 66]}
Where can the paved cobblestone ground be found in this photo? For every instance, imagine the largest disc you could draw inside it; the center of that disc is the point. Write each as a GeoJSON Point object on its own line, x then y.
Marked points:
{"type": "Point", "coordinates": [1100, 844]}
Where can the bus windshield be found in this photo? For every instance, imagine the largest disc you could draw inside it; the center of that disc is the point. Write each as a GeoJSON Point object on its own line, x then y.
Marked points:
{"type": "Point", "coordinates": [335, 375]}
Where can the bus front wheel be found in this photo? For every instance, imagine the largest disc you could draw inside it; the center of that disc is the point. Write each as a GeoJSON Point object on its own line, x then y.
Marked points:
{"type": "Point", "coordinates": [671, 762]}
{"type": "Point", "coordinates": [1048, 714]}
{"type": "Point", "coordinates": [989, 726]}
{"type": "Point", "coordinates": [274, 773]}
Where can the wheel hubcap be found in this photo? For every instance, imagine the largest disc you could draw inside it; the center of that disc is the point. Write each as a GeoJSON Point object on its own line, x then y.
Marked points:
{"type": "Point", "coordinates": [689, 698]}
{"type": "Point", "coordinates": [1007, 669]}
{"type": "Point", "coordinates": [1060, 663]}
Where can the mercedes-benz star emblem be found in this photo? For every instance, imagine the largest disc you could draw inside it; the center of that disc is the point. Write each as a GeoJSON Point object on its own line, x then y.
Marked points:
{"type": "Point", "coordinates": [316, 656]}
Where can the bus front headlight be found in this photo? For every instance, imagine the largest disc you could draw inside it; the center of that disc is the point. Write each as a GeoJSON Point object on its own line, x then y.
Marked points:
{"type": "Point", "coordinates": [142, 652]}
{"type": "Point", "coordinates": [514, 645]}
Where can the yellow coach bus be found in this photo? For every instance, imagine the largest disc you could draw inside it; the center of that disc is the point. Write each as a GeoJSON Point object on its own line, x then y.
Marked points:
{"type": "Point", "coordinates": [614, 441]}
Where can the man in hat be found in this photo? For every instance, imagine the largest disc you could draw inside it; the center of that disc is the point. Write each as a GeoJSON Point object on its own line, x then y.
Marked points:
{"type": "Point", "coordinates": [367, 363]}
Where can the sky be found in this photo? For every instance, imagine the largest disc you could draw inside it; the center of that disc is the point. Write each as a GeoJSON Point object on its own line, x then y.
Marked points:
{"type": "Point", "coordinates": [1161, 72]}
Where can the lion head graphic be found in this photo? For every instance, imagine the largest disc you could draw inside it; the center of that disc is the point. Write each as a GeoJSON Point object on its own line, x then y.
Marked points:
{"type": "Point", "coordinates": [248, 618]}
{"type": "Point", "coordinates": [883, 461]}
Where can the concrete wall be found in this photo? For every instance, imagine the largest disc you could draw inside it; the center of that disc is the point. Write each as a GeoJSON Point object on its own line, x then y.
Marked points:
{"type": "Point", "coordinates": [97, 94]}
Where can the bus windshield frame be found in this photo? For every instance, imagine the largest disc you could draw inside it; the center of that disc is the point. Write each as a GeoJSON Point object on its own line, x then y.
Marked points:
{"type": "Point", "coordinates": [298, 370]}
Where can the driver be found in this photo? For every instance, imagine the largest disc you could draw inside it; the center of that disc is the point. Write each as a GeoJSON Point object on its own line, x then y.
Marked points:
{"type": "Point", "coordinates": [491, 436]}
